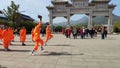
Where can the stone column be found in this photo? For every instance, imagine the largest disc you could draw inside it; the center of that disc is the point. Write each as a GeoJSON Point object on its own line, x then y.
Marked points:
{"type": "Point", "coordinates": [51, 20]}
{"type": "Point", "coordinates": [68, 20]}
{"type": "Point", "coordinates": [68, 17]}
{"type": "Point", "coordinates": [110, 25]}
{"type": "Point", "coordinates": [90, 21]}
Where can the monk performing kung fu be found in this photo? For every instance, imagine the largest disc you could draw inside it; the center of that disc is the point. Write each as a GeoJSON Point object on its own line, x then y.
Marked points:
{"type": "Point", "coordinates": [37, 38]}
{"type": "Point", "coordinates": [48, 33]}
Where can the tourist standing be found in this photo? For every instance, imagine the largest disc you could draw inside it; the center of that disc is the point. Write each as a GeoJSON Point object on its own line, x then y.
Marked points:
{"type": "Point", "coordinates": [74, 32]}
{"type": "Point", "coordinates": [91, 32]}
{"type": "Point", "coordinates": [81, 33]}
{"type": "Point", "coordinates": [67, 32]}
{"type": "Point", "coordinates": [106, 32]}
{"type": "Point", "coordinates": [102, 32]}
{"type": "Point", "coordinates": [63, 31]}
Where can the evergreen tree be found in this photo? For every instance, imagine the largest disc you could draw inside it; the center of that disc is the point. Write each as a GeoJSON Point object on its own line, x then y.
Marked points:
{"type": "Point", "coordinates": [12, 12]}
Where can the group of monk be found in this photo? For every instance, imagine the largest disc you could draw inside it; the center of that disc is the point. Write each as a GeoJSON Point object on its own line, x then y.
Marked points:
{"type": "Point", "coordinates": [7, 35]}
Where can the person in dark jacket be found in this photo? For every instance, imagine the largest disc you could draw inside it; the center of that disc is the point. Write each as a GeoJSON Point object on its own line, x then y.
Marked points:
{"type": "Point", "coordinates": [105, 32]}
{"type": "Point", "coordinates": [102, 32]}
{"type": "Point", "coordinates": [74, 32]}
{"type": "Point", "coordinates": [91, 32]}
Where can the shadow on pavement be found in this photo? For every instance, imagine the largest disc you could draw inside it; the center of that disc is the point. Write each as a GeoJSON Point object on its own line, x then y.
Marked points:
{"type": "Point", "coordinates": [110, 38]}
{"type": "Point", "coordinates": [58, 45]}
{"type": "Point", "coordinates": [2, 50]}
{"type": "Point", "coordinates": [57, 54]}
{"type": "Point", "coordinates": [15, 50]}
{"type": "Point", "coordinates": [20, 50]}
{"type": "Point", "coordinates": [25, 41]}
{"type": "Point", "coordinates": [2, 67]}
{"type": "Point", "coordinates": [15, 44]}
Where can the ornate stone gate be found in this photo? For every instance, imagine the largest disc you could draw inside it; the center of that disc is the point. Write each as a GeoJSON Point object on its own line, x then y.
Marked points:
{"type": "Point", "coordinates": [62, 8]}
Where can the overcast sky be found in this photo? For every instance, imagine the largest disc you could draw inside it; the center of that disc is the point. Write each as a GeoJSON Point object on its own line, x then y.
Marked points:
{"type": "Point", "coordinates": [35, 7]}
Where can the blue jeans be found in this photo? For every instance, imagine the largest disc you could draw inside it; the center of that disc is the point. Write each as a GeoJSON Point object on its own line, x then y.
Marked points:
{"type": "Point", "coordinates": [102, 36]}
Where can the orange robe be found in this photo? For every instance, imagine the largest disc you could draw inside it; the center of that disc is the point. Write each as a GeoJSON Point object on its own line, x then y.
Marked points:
{"type": "Point", "coordinates": [37, 38]}
{"type": "Point", "coordinates": [32, 33]}
{"type": "Point", "coordinates": [22, 35]}
{"type": "Point", "coordinates": [1, 33]}
{"type": "Point", "coordinates": [11, 32]}
{"type": "Point", "coordinates": [6, 38]}
{"type": "Point", "coordinates": [48, 34]}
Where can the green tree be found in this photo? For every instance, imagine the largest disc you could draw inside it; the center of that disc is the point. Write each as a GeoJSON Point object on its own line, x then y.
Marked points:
{"type": "Point", "coordinates": [3, 22]}
{"type": "Point", "coordinates": [58, 28]}
{"type": "Point", "coordinates": [80, 25]}
{"type": "Point", "coordinates": [12, 12]}
{"type": "Point", "coordinates": [28, 25]}
{"type": "Point", "coordinates": [12, 24]}
{"type": "Point", "coordinates": [117, 27]}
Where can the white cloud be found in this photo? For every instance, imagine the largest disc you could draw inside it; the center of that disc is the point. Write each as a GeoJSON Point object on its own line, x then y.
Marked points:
{"type": "Point", "coordinates": [35, 7]}
{"type": "Point", "coordinates": [31, 7]}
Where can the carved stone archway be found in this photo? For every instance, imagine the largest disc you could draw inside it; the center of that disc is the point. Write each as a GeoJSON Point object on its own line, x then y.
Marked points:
{"type": "Point", "coordinates": [62, 8]}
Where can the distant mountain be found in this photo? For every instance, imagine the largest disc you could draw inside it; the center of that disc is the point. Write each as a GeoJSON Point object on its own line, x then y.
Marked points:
{"type": "Point", "coordinates": [100, 20]}
{"type": "Point", "coordinates": [81, 20]}
{"type": "Point", "coordinates": [104, 20]}
{"type": "Point", "coordinates": [73, 22]}
{"type": "Point", "coordinates": [116, 18]}
{"type": "Point", "coordinates": [96, 20]}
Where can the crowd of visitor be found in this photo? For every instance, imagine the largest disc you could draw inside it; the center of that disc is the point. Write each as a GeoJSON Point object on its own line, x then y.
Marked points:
{"type": "Point", "coordinates": [84, 32]}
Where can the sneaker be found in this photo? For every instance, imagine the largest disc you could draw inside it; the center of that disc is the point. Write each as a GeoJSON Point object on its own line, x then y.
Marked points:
{"type": "Point", "coordinates": [42, 48]}
{"type": "Point", "coordinates": [45, 44]}
{"type": "Point", "coordinates": [11, 44]}
{"type": "Point", "coordinates": [7, 49]}
{"type": "Point", "coordinates": [23, 44]}
{"type": "Point", "coordinates": [32, 53]}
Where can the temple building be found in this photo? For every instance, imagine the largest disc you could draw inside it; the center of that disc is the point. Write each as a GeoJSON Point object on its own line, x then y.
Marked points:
{"type": "Point", "coordinates": [62, 8]}
{"type": "Point", "coordinates": [2, 16]}
{"type": "Point", "coordinates": [24, 17]}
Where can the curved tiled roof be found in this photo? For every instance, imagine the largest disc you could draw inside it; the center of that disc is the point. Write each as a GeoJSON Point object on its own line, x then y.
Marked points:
{"type": "Point", "coordinates": [100, 0]}
{"type": "Point", "coordinates": [27, 17]}
{"type": "Point", "coordinates": [3, 17]}
{"type": "Point", "coordinates": [60, 0]}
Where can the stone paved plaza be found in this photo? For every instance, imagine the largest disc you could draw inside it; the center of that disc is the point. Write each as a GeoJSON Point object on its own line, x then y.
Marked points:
{"type": "Point", "coordinates": [64, 53]}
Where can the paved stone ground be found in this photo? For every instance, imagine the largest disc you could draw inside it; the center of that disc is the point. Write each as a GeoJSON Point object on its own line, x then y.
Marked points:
{"type": "Point", "coordinates": [64, 53]}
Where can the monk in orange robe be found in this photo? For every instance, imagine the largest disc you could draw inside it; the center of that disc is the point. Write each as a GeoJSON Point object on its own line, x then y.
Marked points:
{"type": "Point", "coordinates": [32, 34]}
{"type": "Point", "coordinates": [48, 33]}
{"type": "Point", "coordinates": [37, 38]}
{"type": "Point", "coordinates": [1, 30]}
{"type": "Point", "coordinates": [22, 35]}
{"type": "Point", "coordinates": [11, 33]}
{"type": "Point", "coordinates": [6, 39]}
{"type": "Point", "coordinates": [1, 37]}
